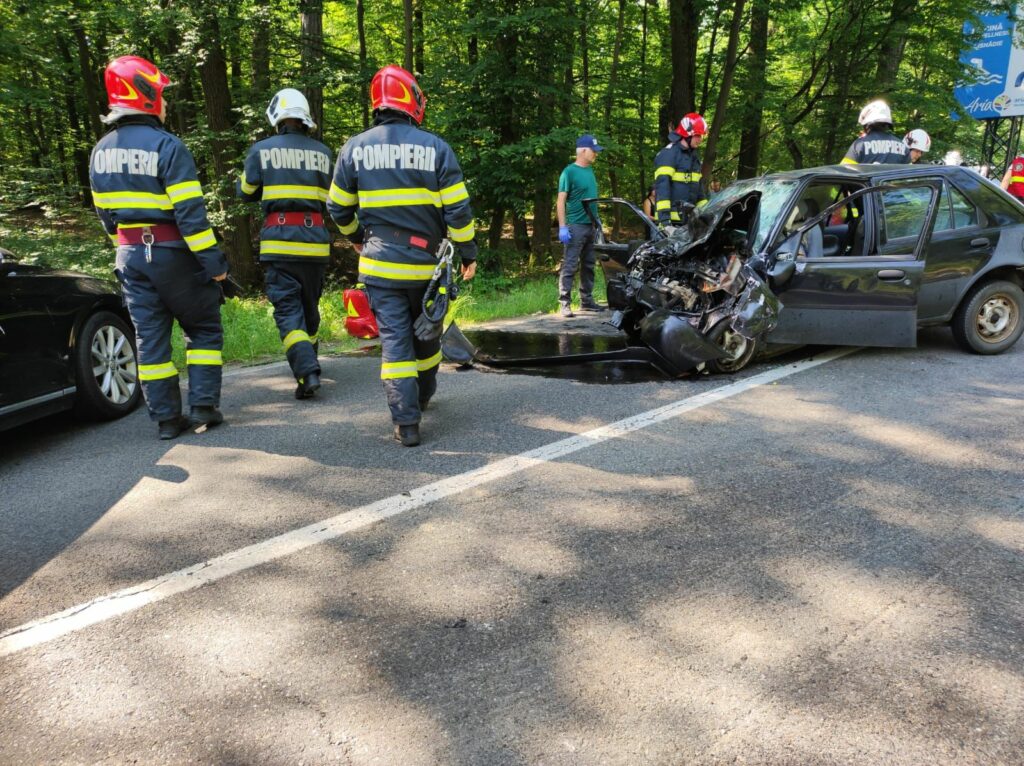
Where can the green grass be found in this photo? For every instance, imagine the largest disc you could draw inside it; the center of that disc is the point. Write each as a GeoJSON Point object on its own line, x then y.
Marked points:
{"type": "Point", "coordinates": [250, 335]}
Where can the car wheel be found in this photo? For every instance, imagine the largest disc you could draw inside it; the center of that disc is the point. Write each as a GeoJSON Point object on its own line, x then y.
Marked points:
{"type": "Point", "coordinates": [989, 319]}
{"type": "Point", "coordinates": [740, 352]}
{"type": "Point", "coordinates": [106, 370]}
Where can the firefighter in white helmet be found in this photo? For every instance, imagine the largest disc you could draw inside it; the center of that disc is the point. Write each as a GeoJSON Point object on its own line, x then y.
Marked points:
{"type": "Point", "coordinates": [919, 142]}
{"type": "Point", "coordinates": [289, 175]}
{"type": "Point", "coordinates": [876, 144]}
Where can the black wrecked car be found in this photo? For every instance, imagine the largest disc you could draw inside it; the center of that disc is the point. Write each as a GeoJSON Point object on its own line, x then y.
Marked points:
{"type": "Point", "coordinates": [65, 343]}
{"type": "Point", "coordinates": [843, 255]}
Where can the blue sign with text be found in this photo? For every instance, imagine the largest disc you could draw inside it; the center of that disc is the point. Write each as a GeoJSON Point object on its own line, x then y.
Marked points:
{"type": "Point", "coordinates": [998, 68]}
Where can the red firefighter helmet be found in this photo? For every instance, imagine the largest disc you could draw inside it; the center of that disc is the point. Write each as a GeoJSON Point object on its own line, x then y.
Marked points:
{"type": "Point", "coordinates": [692, 124]}
{"type": "Point", "coordinates": [359, 320]}
{"type": "Point", "coordinates": [395, 88]}
{"type": "Point", "coordinates": [134, 83]}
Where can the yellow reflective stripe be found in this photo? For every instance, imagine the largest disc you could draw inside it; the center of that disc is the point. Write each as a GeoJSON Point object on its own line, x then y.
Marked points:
{"type": "Point", "coordinates": [200, 241]}
{"type": "Point", "coordinates": [664, 170]}
{"type": "Point", "coordinates": [389, 270]}
{"type": "Point", "coordinates": [398, 197]}
{"type": "Point", "coordinates": [183, 191]}
{"type": "Point", "coordinates": [686, 178]}
{"type": "Point", "coordinates": [674, 216]}
{"type": "Point", "coordinates": [1017, 179]}
{"type": "Point", "coordinates": [247, 187]}
{"type": "Point", "coordinates": [204, 356]}
{"type": "Point", "coordinates": [113, 238]}
{"type": "Point", "coordinates": [342, 197]}
{"type": "Point", "coordinates": [137, 199]}
{"type": "Point", "coordinates": [349, 228]}
{"type": "Point", "coordinates": [455, 193]}
{"type": "Point", "coordinates": [663, 204]}
{"type": "Point", "coordinates": [281, 247]}
{"type": "Point", "coordinates": [157, 371]}
{"type": "Point", "coordinates": [430, 362]}
{"type": "Point", "coordinates": [392, 370]}
{"type": "Point", "coordinates": [288, 191]}
{"type": "Point", "coordinates": [847, 161]}
{"type": "Point", "coordinates": [136, 225]}
{"type": "Point", "coordinates": [464, 234]}
{"type": "Point", "coordinates": [295, 336]}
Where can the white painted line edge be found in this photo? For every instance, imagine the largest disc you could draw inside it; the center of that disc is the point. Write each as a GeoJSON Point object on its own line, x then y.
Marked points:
{"type": "Point", "coordinates": [137, 596]}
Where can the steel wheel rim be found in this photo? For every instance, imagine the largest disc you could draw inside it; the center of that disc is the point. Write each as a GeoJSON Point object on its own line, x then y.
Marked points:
{"type": "Point", "coordinates": [735, 345]}
{"type": "Point", "coordinates": [113, 365]}
{"type": "Point", "coordinates": [997, 318]}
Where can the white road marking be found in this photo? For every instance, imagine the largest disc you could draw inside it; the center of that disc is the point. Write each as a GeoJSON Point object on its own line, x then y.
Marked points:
{"type": "Point", "coordinates": [137, 596]}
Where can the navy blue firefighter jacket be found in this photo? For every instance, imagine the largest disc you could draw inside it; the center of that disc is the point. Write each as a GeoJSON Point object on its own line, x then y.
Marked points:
{"type": "Point", "coordinates": [141, 174]}
{"type": "Point", "coordinates": [677, 179]}
{"type": "Point", "coordinates": [289, 173]}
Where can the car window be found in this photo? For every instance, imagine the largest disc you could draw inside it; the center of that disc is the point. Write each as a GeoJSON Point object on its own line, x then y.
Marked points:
{"type": "Point", "coordinates": [1000, 210]}
{"type": "Point", "coordinates": [903, 213]}
{"type": "Point", "coordinates": [964, 212]}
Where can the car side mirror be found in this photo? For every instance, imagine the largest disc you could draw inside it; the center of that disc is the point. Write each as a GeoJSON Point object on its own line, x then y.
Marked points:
{"type": "Point", "coordinates": [782, 271]}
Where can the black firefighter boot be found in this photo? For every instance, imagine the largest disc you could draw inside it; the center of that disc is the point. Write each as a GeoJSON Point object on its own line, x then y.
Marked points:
{"type": "Point", "coordinates": [205, 415]}
{"type": "Point", "coordinates": [308, 386]}
{"type": "Point", "coordinates": [408, 435]}
{"type": "Point", "coordinates": [171, 429]}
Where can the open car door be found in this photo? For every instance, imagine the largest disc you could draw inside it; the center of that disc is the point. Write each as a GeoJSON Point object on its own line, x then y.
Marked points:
{"type": "Point", "coordinates": [865, 298]}
{"type": "Point", "coordinates": [620, 228]}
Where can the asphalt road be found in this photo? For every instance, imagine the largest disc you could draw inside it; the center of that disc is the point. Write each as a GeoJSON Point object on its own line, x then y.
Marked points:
{"type": "Point", "coordinates": [827, 567]}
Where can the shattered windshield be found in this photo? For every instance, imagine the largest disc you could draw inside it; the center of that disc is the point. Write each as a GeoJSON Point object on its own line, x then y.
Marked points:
{"type": "Point", "coordinates": [774, 195]}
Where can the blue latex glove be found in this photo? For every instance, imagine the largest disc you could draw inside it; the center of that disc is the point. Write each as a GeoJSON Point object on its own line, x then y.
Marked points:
{"type": "Point", "coordinates": [563, 235]}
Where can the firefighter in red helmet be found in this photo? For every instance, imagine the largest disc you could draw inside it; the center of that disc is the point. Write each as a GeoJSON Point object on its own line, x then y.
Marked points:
{"type": "Point", "coordinates": [397, 193]}
{"type": "Point", "coordinates": [147, 194]}
{"type": "Point", "coordinates": [677, 171]}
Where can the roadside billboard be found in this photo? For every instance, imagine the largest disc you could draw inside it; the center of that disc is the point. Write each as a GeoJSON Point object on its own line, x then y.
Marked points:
{"type": "Point", "coordinates": [998, 62]}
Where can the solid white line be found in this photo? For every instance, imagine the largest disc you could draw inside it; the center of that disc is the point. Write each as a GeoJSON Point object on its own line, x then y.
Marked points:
{"type": "Point", "coordinates": [137, 596]}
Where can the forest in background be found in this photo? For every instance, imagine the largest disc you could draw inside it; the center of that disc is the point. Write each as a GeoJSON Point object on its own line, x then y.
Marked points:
{"type": "Point", "coordinates": [510, 84]}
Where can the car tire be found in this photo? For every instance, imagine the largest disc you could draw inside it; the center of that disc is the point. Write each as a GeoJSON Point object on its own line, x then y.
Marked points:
{"type": "Point", "coordinates": [106, 368]}
{"type": "Point", "coordinates": [742, 352]}
{"type": "Point", "coordinates": [990, 319]}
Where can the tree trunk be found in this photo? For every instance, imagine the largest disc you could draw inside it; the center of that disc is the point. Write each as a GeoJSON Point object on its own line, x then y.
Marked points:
{"type": "Point", "coordinates": [520, 234]}
{"type": "Point", "coordinates": [891, 52]}
{"type": "Point", "coordinates": [214, 75]}
{"type": "Point", "coordinates": [418, 38]}
{"type": "Point", "coordinates": [613, 75]}
{"type": "Point", "coordinates": [497, 224]}
{"type": "Point", "coordinates": [585, 53]}
{"type": "Point", "coordinates": [750, 137]}
{"type": "Point", "coordinates": [684, 28]}
{"type": "Point", "coordinates": [313, 60]}
{"type": "Point", "coordinates": [78, 140]}
{"type": "Point", "coordinates": [92, 100]}
{"type": "Point", "coordinates": [363, 91]}
{"type": "Point", "coordinates": [641, 132]}
{"type": "Point", "coordinates": [408, 63]}
{"type": "Point", "coordinates": [710, 57]}
{"type": "Point", "coordinates": [260, 60]}
{"type": "Point", "coordinates": [723, 93]}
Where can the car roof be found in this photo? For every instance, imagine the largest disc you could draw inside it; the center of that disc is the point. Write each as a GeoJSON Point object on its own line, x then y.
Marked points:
{"type": "Point", "coordinates": [867, 172]}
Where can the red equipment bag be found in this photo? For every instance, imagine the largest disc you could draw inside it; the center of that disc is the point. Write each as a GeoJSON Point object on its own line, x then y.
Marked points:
{"type": "Point", "coordinates": [359, 320]}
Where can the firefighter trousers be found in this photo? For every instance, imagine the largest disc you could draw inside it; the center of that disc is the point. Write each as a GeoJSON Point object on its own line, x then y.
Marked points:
{"type": "Point", "coordinates": [172, 286]}
{"type": "Point", "coordinates": [295, 288]}
{"type": "Point", "coordinates": [408, 365]}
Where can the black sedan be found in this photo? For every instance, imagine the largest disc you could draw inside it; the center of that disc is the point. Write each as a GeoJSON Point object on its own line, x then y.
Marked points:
{"type": "Point", "coordinates": [845, 255]}
{"type": "Point", "coordinates": [65, 343]}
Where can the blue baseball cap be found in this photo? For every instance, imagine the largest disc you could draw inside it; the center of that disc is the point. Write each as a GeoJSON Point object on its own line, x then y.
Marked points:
{"type": "Point", "coordinates": [587, 141]}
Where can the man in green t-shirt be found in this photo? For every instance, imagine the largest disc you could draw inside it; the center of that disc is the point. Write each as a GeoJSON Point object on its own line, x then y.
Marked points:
{"type": "Point", "coordinates": [575, 229]}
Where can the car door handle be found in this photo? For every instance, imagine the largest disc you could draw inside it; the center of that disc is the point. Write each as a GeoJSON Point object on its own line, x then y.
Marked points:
{"type": "Point", "coordinates": [980, 242]}
{"type": "Point", "coordinates": [891, 274]}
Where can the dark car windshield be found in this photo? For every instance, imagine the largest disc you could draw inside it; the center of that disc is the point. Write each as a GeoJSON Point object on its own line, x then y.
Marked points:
{"type": "Point", "coordinates": [774, 195]}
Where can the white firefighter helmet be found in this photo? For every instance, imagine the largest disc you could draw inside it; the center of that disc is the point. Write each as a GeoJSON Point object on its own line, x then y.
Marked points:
{"type": "Point", "coordinates": [918, 139]}
{"type": "Point", "coordinates": [876, 111]}
{"type": "Point", "coordinates": [289, 104]}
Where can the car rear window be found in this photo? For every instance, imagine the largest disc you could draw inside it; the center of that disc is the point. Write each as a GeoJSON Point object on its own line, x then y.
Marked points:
{"type": "Point", "coordinates": [1000, 210]}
